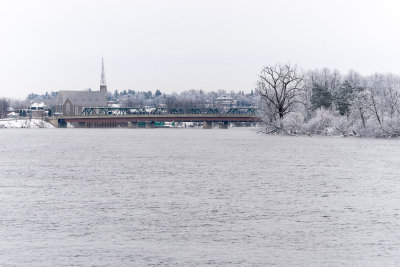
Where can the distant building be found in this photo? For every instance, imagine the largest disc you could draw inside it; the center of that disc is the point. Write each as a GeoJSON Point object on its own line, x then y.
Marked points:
{"type": "Point", "coordinates": [13, 115]}
{"type": "Point", "coordinates": [38, 110]}
{"type": "Point", "coordinates": [37, 106]}
{"type": "Point", "coordinates": [114, 104]}
{"type": "Point", "coordinates": [72, 103]}
{"type": "Point", "coordinates": [225, 102]}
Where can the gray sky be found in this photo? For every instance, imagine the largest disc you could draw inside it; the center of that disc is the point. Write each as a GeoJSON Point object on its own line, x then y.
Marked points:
{"type": "Point", "coordinates": [174, 45]}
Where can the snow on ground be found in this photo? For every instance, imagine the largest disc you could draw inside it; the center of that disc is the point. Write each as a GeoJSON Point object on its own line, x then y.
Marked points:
{"type": "Point", "coordinates": [24, 123]}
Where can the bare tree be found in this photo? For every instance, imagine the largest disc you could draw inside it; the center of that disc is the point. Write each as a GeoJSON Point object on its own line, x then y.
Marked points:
{"type": "Point", "coordinates": [280, 87]}
{"type": "Point", "coordinates": [360, 107]}
{"type": "Point", "coordinates": [4, 105]}
{"type": "Point", "coordinates": [127, 102]}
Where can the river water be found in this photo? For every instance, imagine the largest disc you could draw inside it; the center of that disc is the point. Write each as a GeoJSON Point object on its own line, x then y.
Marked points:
{"type": "Point", "coordinates": [194, 197]}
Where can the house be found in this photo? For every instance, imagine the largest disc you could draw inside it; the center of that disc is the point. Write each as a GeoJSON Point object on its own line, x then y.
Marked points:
{"type": "Point", "coordinates": [13, 115]}
{"type": "Point", "coordinates": [225, 102]}
{"type": "Point", "coordinates": [38, 109]}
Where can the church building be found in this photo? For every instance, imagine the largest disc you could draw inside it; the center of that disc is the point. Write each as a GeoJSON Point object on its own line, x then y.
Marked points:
{"type": "Point", "coordinates": [72, 103]}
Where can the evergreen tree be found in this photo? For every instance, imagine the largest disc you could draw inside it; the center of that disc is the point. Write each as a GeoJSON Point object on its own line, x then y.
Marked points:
{"type": "Point", "coordinates": [321, 97]}
{"type": "Point", "coordinates": [148, 95]}
{"type": "Point", "coordinates": [116, 95]}
{"type": "Point", "coordinates": [343, 98]}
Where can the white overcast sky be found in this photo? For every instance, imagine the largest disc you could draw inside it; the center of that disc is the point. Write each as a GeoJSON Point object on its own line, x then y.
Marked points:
{"type": "Point", "coordinates": [174, 45]}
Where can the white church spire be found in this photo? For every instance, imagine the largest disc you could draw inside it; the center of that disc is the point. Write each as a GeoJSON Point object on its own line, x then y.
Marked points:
{"type": "Point", "coordinates": [103, 85]}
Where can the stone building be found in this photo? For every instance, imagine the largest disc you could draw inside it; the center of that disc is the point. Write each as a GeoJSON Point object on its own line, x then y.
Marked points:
{"type": "Point", "coordinates": [72, 103]}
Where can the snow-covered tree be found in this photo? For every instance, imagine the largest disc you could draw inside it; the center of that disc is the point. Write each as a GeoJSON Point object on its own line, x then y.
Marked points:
{"type": "Point", "coordinates": [280, 87]}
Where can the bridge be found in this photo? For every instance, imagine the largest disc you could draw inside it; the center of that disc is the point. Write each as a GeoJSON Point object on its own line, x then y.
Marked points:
{"type": "Point", "coordinates": [105, 117]}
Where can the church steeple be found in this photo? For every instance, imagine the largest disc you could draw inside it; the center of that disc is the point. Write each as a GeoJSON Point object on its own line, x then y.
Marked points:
{"type": "Point", "coordinates": [103, 85]}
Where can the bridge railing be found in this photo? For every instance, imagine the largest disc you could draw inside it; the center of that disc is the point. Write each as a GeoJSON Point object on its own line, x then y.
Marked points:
{"type": "Point", "coordinates": [110, 111]}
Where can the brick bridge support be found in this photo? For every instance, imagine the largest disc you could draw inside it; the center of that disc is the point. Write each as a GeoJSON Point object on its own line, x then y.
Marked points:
{"type": "Point", "coordinates": [224, 125]}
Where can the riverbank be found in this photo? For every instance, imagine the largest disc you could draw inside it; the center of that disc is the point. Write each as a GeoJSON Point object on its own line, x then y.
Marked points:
{"type": "Point", "coordinates": [24, 123]}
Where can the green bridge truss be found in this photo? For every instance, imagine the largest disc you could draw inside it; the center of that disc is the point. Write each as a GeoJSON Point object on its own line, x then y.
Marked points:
{"type": "Point", "coordinates": [106, 111]}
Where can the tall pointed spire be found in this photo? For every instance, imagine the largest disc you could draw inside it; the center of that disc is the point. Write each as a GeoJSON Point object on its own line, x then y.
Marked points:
{"type": "Point", "coordinates": [103, 85]}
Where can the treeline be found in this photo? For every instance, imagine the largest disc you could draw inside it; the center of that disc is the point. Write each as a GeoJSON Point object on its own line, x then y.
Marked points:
{"type": "Point", "coordinates": [185, 99]}
{"type": "Point", "coordinates": [46, 95]}
{"type": "Point", "coordinates": [329, 103]}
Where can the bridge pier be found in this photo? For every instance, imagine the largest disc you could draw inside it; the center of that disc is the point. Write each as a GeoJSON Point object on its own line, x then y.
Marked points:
{"type": "Point", "coordinates": [150, 124]}
{"type": "Point", "coordinates": [62, 123]}
{"type": "Point", "coordinates": [133, 124]}
{"type": "Point", "coordinates": [224, 125]}
{"type": "Point", "coordinates": [53, 121]}
{"type": "Point", "coordinates": [207, 125]}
